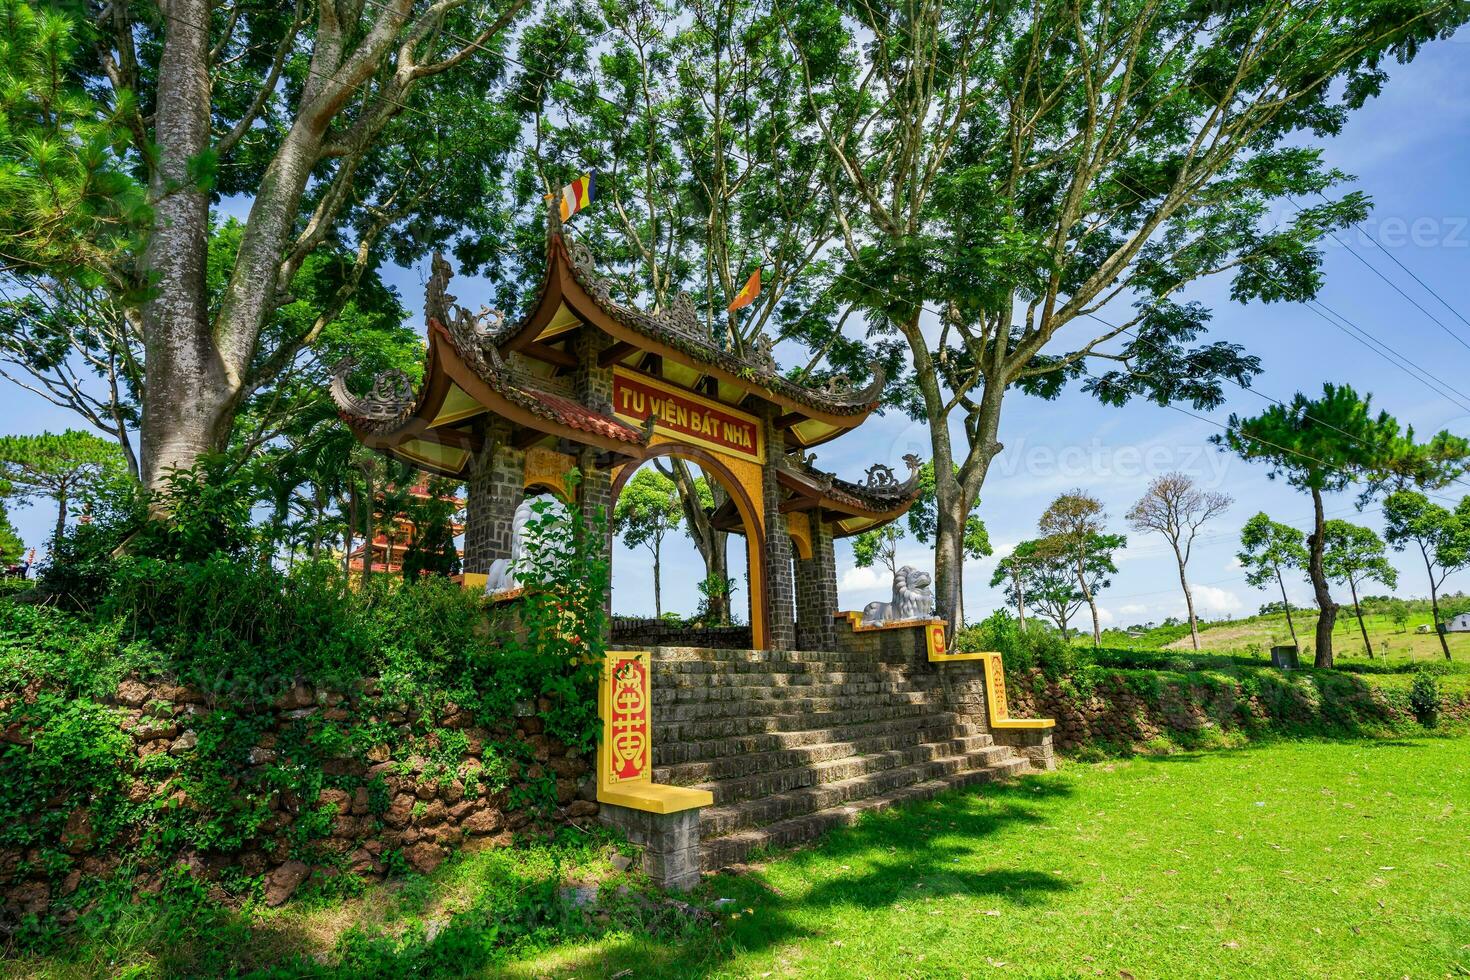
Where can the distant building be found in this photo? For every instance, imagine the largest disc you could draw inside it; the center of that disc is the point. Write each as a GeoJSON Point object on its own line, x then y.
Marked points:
{"type": "Point", "coordinates": [1457, 624]}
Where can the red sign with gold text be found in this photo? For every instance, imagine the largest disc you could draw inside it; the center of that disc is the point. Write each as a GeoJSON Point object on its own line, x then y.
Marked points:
{"type": "Point", "coordinates": [687, 416]}
{"type": "Point", "coordinates": [628, 742]}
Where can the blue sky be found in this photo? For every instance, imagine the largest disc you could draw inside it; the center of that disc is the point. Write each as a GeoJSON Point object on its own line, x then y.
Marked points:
{"type": "Point", "coordinates": [1410, 152]}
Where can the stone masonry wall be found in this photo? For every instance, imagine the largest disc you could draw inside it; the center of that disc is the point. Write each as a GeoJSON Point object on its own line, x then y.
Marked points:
{"type": "Point", "coordinates": [383, 800]}
{"type": "Point", "coordinates": [816, 590]}
{"type": "Point", "coordinates": [780, 584]}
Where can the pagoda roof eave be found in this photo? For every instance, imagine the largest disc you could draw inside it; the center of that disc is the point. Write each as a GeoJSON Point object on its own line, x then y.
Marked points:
{"type": "Point", "coordinates": [676, 334]}
{"type": "Point", "coordinates": [392, 423]}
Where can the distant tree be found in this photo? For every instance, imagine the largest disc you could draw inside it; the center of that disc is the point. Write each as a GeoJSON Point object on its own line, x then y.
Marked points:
{"type": "Point", "coordinates": [878, 547]}
{"type": "Point", "coordinates": [1073, 523]}
{"type": "Point", "coordinates": [1441, 535]}
{"type": "Point", "coordinates": [648, 508]}
{"type": "Point", "coordinates": [1356, 555]}
{"type": "Point", "coordinates": [1015, 572]}
{"type": "Point", "coordinates": [1044, 576]}
{"type": "Point", "coordinates": [60, 467]}
{"type": "Point", "coordinates": [1174, 507]}
{"type": "Point", "coordinates": [1267, 550]}
{"type": "Point", "coordinates": [11, 546]}
{"type": "Point", "coordinates": [1318, 445]}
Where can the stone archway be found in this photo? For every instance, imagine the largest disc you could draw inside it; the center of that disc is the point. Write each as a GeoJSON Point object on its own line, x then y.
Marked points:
{"type": "Point", "coordinates": [742, 481]}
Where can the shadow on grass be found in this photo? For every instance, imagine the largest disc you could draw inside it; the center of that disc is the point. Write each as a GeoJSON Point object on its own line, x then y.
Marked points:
{"type": "Point", "coordinates": [913, 852]}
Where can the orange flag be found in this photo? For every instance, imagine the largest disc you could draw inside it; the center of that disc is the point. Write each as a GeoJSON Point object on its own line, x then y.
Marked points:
{"type": "Point", "coordinates": [748, 292]}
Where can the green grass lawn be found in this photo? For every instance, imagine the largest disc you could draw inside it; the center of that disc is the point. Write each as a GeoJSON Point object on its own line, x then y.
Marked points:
{"type": "Point", "coordinates": [1317, 859]}
{"type": "Point", "coordinates": [1298, 859]}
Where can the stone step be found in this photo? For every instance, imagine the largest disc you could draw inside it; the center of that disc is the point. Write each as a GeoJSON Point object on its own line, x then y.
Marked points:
{"type": "Point", "coordinates": [686, 654]}
{"type": "Point", "coordinates": [748, 693]}
{"type": "Point", "coordinates": [749, 764]}
{"type": "Point", "coordinates": [941, 726]}
{"type": "Point", "coordinates": [722, 851]}
{"type": "Point", "coordinates": [717, 821]}
{"type": "Point", "coordinates": [698, 728]}
{"type": "Point", "coordinates": [709, 710]}
{"type": "Point", "coordinates": [773, 678]}
{"type": "Point", "coordinates": [951, 753]}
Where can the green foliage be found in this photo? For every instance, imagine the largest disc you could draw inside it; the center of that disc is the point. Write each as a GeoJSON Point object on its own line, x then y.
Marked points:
{"type": "Point", "coordinates": [11, 546]}
{"type": "Point", "coordinates": [1424, 698]}
{"type": "Point", "coordinates": [1269, 549]}
{"type": "Point", "coordinates": [1317, 445]}
{"type": "Point", "coordinates": [67, 202]}
{"type": "Point", "coordinates": [648, 508]}
{"type": "Point", "coordinates": [1356, 555]}
{"type": "Point", "coordinates": [877, 547]}
{"type": "Point", "coordinates": [564, 614]}
{"type": "Point", "coordinates": [923, 517]}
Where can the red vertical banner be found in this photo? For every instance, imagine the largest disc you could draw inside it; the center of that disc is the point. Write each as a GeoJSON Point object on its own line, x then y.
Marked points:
{"type": "Point", "coordinates": [626, 752]}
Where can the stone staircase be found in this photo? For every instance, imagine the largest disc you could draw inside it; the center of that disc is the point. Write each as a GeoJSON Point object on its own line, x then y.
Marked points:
{"type": "Point", "coordinates": [793, 744]}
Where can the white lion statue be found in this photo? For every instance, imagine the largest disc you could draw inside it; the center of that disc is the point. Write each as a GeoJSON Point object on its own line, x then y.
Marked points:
{"type": "Point", "coordinates": [502, 574]}
{"type": "Point", "coordinates": [912, 599]}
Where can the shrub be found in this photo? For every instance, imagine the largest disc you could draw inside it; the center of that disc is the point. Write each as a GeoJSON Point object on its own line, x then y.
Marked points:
{"type": "Point", "coordinates": [1424, 698]}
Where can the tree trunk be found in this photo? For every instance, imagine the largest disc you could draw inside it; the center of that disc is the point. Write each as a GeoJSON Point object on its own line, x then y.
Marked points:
{"type": "Point", "coordinates": [1326, 608]}
{"type": "Point", "coordinates": [1358, 611]}
{"type": "Point", "coordinates": [1091, 604]}
{"type": "Point", "coordinates": [1188, 597]}
{"type": "Point", "coordinates": [658, 601]}
{"type": "Point", "coordinates": [949, 560]}
{"type": "Point", "coordinates": [188, 399]}
{"type": "Point", "coordinates": [1444, 643]}
{"type": "Point", "coordinates": [1020, 602]}
{"type": "Point", "coordinates": [1286, 603]}
{"type": "Point", "coordinates": [60, 516]}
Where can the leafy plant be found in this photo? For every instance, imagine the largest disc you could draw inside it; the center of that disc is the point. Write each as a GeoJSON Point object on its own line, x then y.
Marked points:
{"type": "Point", "coordinates": [1424, 698]}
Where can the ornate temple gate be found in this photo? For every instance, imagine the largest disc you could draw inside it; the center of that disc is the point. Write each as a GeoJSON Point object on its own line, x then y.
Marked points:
{"type": "Point", "coordinates": [585, 380]}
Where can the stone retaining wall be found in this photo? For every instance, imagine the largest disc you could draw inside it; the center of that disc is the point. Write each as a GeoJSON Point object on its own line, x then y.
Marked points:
{"type": "Point", "coordinates": [383, 803]}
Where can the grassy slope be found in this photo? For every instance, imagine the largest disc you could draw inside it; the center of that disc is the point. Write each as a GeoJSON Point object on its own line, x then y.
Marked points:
{"type": "Point", "coordinates": [1263, 631]}
{"type": "Point", "coordinates": [1297, 859]}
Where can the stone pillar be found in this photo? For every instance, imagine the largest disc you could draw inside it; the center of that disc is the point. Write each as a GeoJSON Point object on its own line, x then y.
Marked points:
{"type": "Point", "coordinates": [592, 385]}
{"type": "Point", "coordinates": [495, 490]}
{"type": "Point", "coordinates": [670, 842]}
{"type": "Point", "coordinates": [816, 590]}
{"type": "Point", "coordinates": [780, 589]}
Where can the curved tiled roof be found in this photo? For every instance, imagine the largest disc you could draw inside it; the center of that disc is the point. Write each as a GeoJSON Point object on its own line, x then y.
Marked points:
{"type": "Point", "coordinates": [680, 327]}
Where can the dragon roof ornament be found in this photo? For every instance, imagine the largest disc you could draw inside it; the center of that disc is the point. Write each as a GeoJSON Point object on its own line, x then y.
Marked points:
{"type": "Point", "coordinates": [392, 396]}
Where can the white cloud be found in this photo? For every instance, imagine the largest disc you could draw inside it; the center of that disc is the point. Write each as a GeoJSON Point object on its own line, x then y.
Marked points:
{"type": "Point", "coordinates": [1105, 616]}
{"type": "Point", "coordinates": [867, 579]}
{"type": "Point", "coordinates": [1211, 601]}
{"type": "Point", "coordinates": [1133, 609]}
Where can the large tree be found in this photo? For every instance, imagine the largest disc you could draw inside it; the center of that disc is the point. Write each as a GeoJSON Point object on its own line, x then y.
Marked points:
{"type": "Point", "coordinates": [1074, 525]}
{"type": "Point", "coordinates": [1269, 549]}
{"type": "Point", "coordinates": [58, 467]}
{"type": "Point", "coordinates": [1018, 168]}
{"type": "Point", "coordinates": [1356, 555]}
{"type": "Point", "coordinates": [1176, 508]}
{"type": "Point", "coordinates": [1441, 535]}
{"type": "Point", "coordinates": [1319, 446]}
{"type": "Point", "coordinates": [332, 121]}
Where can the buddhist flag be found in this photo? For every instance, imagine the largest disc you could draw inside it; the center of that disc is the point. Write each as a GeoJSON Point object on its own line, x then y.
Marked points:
{"type": "Point", "coordinates": [578, 194]}
{"type": "Point", "coordinates": [748, 292]}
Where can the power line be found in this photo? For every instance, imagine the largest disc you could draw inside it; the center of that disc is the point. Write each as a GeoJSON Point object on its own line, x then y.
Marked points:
{"type": "Point", "coordinates": [1394, 259]}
